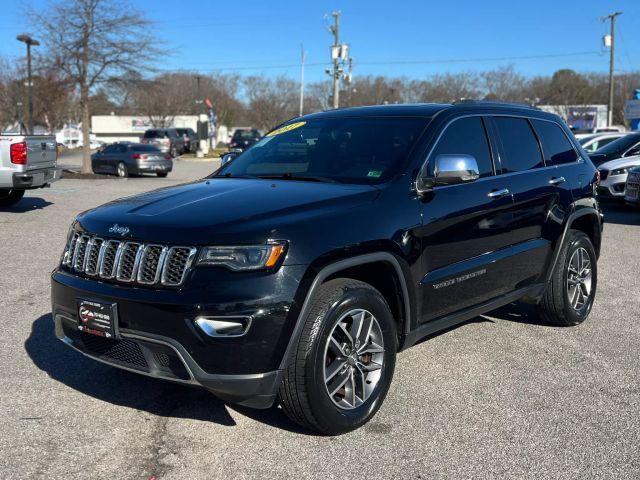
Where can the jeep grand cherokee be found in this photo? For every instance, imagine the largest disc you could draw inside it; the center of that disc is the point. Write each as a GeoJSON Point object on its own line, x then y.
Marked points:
{"type": "Point", "coordinates": [297, 271]}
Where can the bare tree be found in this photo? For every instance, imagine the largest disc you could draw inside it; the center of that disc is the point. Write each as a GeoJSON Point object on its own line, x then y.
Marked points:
{"type": "Point", "coordinates": [92, 42]}
{"type": "Point", "coordinates": [503, 84]}
{"type": "Point", "coordinates": [271, 101]}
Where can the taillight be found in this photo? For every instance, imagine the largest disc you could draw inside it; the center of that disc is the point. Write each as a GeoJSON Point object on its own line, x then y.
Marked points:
{"type": "Point", "coordinates": [19, 153]}
{"type": "Point", "coordinates": [167, 156]}
{"type": "Point", "coordinates": [137, 156]}
{"type": "Point", "coordinates": [598, 177]}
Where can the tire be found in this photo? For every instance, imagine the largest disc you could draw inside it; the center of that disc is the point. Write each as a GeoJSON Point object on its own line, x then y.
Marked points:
{"type": "Point", "coordinates": [162, 174]}
{"type": "Point", "coordinates": [123, 171]}
{"type": "Point", "coordinates": [173, 152]}
{"type": "Point", "coordinates": [303, 394]}
{"type": "Point", "coordinates": [9, 197]}
{"type": "Point", "coordinates": [559, 306]}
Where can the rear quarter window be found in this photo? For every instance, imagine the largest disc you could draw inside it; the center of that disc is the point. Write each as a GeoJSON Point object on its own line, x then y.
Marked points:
{"type": "Point", "coordinates": [556, 147]}
{"type": "Point", "coordinates": [520, 147]}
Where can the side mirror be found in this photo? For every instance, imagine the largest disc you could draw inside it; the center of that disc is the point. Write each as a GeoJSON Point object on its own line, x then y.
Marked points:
{"type": "Point", "coordinates": [227, 157]}
{"type": "Point", "coordinates": [451, 169]}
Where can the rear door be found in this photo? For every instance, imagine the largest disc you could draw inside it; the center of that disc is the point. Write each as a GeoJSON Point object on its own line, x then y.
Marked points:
{"type": "Point", "coordinates": [465, 234]}
{"type": "Point", "coordinates": [540, 194]}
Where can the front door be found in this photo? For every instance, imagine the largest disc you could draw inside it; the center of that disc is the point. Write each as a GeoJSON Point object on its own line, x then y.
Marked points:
{"type": "Point", "coordinates": [465, 232]}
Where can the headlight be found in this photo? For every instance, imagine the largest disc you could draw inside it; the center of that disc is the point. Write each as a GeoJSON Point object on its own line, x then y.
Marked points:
{"type": "Point", "coordinates": [243, 257]}
{"type": "Point", "coordinates": [620, 171]}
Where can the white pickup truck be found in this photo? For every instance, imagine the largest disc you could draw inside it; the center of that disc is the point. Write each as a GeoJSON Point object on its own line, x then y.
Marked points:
{"type": "Point", "coordinates": [26, 162]}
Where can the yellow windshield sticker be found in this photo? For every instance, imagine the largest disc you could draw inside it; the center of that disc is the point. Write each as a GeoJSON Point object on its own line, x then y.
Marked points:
{"type": "Point", "coordinates": [286, 128]}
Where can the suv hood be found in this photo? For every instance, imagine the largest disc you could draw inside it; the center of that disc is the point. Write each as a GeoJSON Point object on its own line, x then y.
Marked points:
{"type": "Point", "coordinates": [620, 163]}
{"type": "Point", "coordinates": [222, 210]}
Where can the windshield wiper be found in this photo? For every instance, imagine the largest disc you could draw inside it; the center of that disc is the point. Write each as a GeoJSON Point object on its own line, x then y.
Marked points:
{"type": "Point", "coordinates": [292, 176]}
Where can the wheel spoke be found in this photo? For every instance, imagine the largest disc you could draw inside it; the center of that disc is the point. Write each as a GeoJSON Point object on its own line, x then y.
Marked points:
{"type": "Point", "coordinates": [371, 348]}
{"type": "Point", "coordinates": [352, 390]}
{"type": "Point", "coordinates": [356, 326]}
{"type": "Point", "coordinates": [573, 294]}
{"type": "Point", "coordinates": [369, 367]}
{"type": "Point", "coordinates": [333, 369]}
{"type": "Point", "coordinates": [335, 347]}
{"type": "Point", "coordinates": [339, 382]}
{"type": "Point", "coordinates": [346, 332]}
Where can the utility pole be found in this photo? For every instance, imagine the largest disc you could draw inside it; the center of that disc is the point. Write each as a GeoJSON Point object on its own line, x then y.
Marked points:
{"type": "Point", "coordinates": [29, 41]}
{"type": "Point", "coordinates": [339, 54]}
{"type": "Point", "coordinates": [612, 41]}
{"type": "Point", "coordinates": [302, 55]}
{"type": "Point", "coordinates": [335, 30]}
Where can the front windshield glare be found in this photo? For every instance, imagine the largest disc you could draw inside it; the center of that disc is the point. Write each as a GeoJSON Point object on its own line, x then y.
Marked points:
{"type": "Point", "coordinates": [347, 150]}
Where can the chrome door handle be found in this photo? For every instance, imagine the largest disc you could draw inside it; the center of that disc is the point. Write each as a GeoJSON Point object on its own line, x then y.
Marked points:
{"type": "Point", "coordinates": [557, 180]}
{"type": "Point", "coordinates": [495, 194]}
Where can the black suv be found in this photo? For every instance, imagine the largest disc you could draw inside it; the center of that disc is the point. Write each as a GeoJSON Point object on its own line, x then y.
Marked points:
{"type": "Point", "coordinates": [297, 271]}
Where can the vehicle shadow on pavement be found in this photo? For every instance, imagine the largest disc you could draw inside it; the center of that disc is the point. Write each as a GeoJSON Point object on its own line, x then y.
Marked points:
{"type": "Point", "coordinates": [620, 214]}
{"type": "Point", "coordinates": [131, 390]}
{"type": "Point", "coordinates": [518, 312]}
{"type": "Point", "coordinates": [27, 204]}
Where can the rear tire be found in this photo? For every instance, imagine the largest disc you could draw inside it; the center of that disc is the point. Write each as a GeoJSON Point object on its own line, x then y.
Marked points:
{"type": "Point", "coordinates": [569, 296]}
{"type": "Point", "coordinates": [335, 382]}
{"type": "Point", "coordinates": [123, 171]}
{"type": "Point", "coordinates": [162, 174]}
{"type": "Point", "coordinates": [9, 197]}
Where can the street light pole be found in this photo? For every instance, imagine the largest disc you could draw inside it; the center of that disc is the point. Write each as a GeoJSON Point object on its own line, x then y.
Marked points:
{"type": "Point", "coordinates": [29, 41]}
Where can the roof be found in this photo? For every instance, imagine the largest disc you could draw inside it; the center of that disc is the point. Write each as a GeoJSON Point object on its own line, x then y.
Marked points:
{"type": "Point", "coordinates": [428, 109]}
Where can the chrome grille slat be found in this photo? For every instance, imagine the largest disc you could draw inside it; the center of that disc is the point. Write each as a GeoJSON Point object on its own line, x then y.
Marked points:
{"type": "Point", "coordinates": [109, 259]}
{"type": "Point", "coordinates": [80, 253]}
{"type": "Point", "coordinates": [93, 256]}
{"type": "Point", "coordinates": [176, 264]}
{"type": "Point", "coordinates": [150, 264]}
{"type": "Point", "coordinates": [128, 261]}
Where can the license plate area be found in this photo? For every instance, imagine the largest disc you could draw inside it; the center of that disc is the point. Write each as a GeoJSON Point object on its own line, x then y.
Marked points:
{"type": "Point", "coordinates": [98, 318]}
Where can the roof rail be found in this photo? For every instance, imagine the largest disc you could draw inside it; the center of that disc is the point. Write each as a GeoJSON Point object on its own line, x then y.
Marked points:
{"type": "Point", "coordinates": [501, 103]}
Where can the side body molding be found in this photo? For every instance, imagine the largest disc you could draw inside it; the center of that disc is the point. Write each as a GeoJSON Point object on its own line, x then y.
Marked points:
{"type": "Point", "coordinates": [332, 268]}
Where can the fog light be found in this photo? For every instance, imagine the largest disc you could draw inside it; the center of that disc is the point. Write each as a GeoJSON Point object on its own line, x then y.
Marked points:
{"type": "Point", "coordinates": [224, 326]}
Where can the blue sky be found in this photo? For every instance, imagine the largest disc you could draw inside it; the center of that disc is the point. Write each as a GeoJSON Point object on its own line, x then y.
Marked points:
{"type": "Point", "coordinates": [423, 37]}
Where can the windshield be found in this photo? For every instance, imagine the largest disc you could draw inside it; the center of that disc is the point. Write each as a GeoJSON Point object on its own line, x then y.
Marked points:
{"type": "Point", "coordinates": [620, 145]}
{"type": "Point", "coordinates": [365, 150]}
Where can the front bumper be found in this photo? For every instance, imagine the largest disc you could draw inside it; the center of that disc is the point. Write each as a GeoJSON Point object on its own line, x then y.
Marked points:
{"type": "Point", "coordinates": [159, 337]}
{"type": "Point", "coordinates": [36, 178]}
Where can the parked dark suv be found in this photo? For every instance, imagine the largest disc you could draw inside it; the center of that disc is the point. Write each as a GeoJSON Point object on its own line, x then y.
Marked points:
{"type": "Point", "coordinates": [168, 140]}
{"type": "Point", "coordinates": [297, 271]}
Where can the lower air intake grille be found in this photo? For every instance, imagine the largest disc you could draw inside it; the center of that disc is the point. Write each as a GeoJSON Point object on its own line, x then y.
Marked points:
{"type": "Point", "coordinates": [126, 352]}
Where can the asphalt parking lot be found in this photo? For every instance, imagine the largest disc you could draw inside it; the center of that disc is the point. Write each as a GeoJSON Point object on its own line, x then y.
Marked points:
{"type": "Point", "coordinates": [500, 396]}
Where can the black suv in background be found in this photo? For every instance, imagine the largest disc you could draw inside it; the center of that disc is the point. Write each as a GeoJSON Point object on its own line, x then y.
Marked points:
{"type": "Point", "coordinates": [168, 140]}
{"type": "Point", "coordinates": [297, 271]}
{"type": "Point", "coordinates": [243, 138]}
{"type": "Point", "coordinates": [190, 140]}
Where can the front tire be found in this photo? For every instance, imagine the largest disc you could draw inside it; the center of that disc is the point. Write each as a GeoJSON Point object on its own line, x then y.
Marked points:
{"type": "Point", "coordinates": [569, 296]}
{"type": "Point", "coordinates": [343, 364]}
{"type": "Point", "coordinates": [10, 196]}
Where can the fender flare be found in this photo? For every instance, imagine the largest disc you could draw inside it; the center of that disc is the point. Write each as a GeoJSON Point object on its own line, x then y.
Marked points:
{"type": "Point", "coordinates": [572, 217]}
{"type": "Point", "coordinates": [332, 268]}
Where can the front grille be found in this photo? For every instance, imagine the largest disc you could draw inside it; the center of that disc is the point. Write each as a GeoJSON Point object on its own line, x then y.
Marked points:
{"type": "Point", "coordinates": [604, 174]}
{"type": "Point", "coordinates": [129, 262]}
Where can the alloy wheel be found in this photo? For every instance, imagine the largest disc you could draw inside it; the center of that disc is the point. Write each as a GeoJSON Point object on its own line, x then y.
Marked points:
{"type": "Point", "coordinates": [353, 359]}
{"type": "Point", "coordinates": [579, 279]}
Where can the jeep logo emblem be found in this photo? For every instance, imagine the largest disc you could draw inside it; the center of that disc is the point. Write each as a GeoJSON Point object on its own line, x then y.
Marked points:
{"type": "Point", "coordinates": [120, 230]}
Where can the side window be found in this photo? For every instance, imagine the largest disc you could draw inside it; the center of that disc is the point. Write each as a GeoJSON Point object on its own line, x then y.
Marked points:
{"type": "Point", "coordinates": [465, 136]}
{"type": "Point", "coordinates": [635, 150]}
{"type": "Point", "coordinates": [519, 144]}
{"type": "Point", "coordinates": [556, 146]}
{"type": "Point", "coordinates": [109, 149]}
